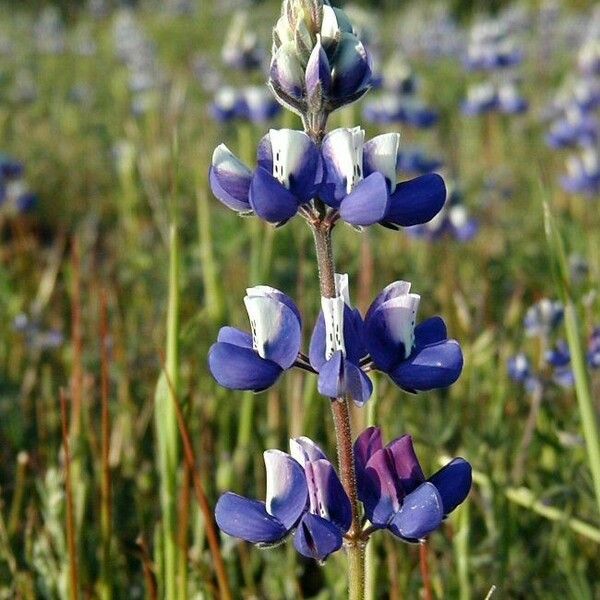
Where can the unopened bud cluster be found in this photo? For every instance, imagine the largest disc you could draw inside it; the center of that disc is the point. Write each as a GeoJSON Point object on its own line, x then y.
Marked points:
{"type": "Point", "coordinates": [318, 63]}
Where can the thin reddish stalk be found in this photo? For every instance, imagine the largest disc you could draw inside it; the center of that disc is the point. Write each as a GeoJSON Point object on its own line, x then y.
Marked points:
{"type": "Point", "coordinates": [425, 574]}
{"type": "Point", "coordinates": [106, 483]}
{"type": "Point", "coordinates": [77, 339]}
{"type": "Point", "coordinates": [70, 522]}
{"type": "Point", "coordinates": [149, 578]}
{"type": "Point", "coordinates": [184, 523]}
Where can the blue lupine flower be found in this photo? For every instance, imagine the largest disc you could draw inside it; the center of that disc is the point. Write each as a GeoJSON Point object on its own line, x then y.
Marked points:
{"type": "Point", "coordinates": [583, 173]}
{"type": "Point", "coordinates": [510, 100]}
{"type": "Point", "coordinates": [586, 93]}
{"type": "Point", "coordinates": [394, 491]}
{"type": "Point", "coordinates": [491, 47]}
{"type": "Point", "coordinates": [415, 161]}
{"type": "Point", "coordinates": [453, 220]}
{"type": "Point", "coordinates": [253, 103]}
{"type": "Point", "coordinates": [224, 106]}
{"type": "Point", "coordinates": [576, 127]}
{"type": "Point", "coordinates": [417, 358]}
{"type": "Point", "coordinates": [360, 179]}
{"type": "Point", "coordinates": [588, 59]}
{"type": "Point", "coordinates": [304, 495]}
{"type": "Point", "coordinates": [15, 195]}
{"type": "Point", "coordinates": [593, 355]}
{"type": "Point", "coordinates": [563, 377]}
{"type": "Point", "coordinates": [241, 49]}
{"type": "Point", "coordinates": [519, 367]}
{"type": "Point", "coordinates": [288, 175]}
{"type": "Point", "coordinates": [390, 108]}
{"type": "Point", "coordinates": [521, 371]}
{"type": "Point", "coordinates": [244, 361]}
{"type": "Point", "coordinates": [35, 336]}
{"type": "Point", "coordinates": [481, 98]}
{"type": "Point", "coordinates": [558, 355]}
{"type": "Point", "coordinates": [543, 317]}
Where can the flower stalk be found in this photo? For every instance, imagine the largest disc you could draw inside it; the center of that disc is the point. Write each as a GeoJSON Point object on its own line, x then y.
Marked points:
{"type": "Point", "coordinates": [340, 408]}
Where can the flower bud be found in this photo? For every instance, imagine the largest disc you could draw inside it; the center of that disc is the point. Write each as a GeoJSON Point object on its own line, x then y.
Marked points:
{"type": "Point", "coordinates": [318, 62]}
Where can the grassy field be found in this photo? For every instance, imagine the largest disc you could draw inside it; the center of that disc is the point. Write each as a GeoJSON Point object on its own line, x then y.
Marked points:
{"type": "Point", "coordinates": [130, 259]}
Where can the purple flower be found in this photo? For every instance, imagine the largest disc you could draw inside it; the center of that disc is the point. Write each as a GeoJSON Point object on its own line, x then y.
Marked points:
{"type": "Point", "coordinates": [510, 100]}
{"type": "Point", "coordinates": [521, 371]}
{"type": "Point", "coordinates": [417, 358]}
{"type": "Point", "coordinates": [519, 367]}
{"type": "Point", "coordinates": [244, 361]}
{"type": "Point", "coordinates": [394, 491]}
{"type": "Point", "coordinates": [543, 317]}
{"type": "Point", "coordinates": [583, 173]}
{"type": "Point", "coordinates": [288, 174]}
{"type": "Point", "coordinates": [360, 179]}
{"type": "Point", "coordinates": [481, 98]}
{"type": "Point", "coordinates": [576, 127]}
{"type": "Point", "coordinates": [304, 495]}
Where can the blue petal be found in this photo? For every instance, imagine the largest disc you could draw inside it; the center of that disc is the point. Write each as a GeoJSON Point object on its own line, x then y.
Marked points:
{"type": "Point", "coordinates": [277, 331]}
{"type": "Point", "coordinates": [304, 450]}
{"type": "Point", "coordinates": [287, 492]}
{"type": "Point", "coordinates": [406, 464]}
{"type": "Point", "coordinates": [388, 331]}
{"type": "Point", "coordinates": [367, 443]}
{"type": "Point", "coordinates": [230, 179]}
{"type": "Point", "coordinates": [431, 367]}
{"type": "Point", "coordinates": [269, 199]}
{"type": "Point", "coordinates": [354, 335]}
{"type": "Point", "coordinates": [318, 71]}
{"type": "Point", "coordinates": [421, 513]}
{"type": "Point", "coordinates": [342, 163]}
{"type": "Point", "coordinates": [353, 339]}
{"type": "Point", "coordinates": [287, 72]}
{"type": "Point", "coordinates": [453, 483]}
{"type": "Point", "coordinates": [232, 193]}
{"type": "Point", "coordinates": [248, 520]}
{"type": "Point", "coordinates": [266, 290]}
{"type": "Point", "coordinates": [416, 201]}
{"type": "Point", "coordinates": [390, 291]}
{"type": "Point", "coordinates": [331, 377]}
{"type": "Point", "coordinates": [235, 336]}
{"type": "Point", "coordinates": [382, 492]}
{"type": "Point", "coordinates": [380, 154]}
{"type": "Point", "coordinates": [316, 537]}
{"type": "Point", "coordinates": [357, 383]}
{"type": "Point", "coordinates": [240, 368]}
{"type": "Point", "coordinates": [327, 495]}
{"type": "Point", "coordinates": [302, 159]}
{"type": "Point", "coordinates": [431, 331]}
{"type": "Point", "coordinates": [367, 203]}
{"type": "Point", "coordinates": [339, 377]}
{"type": "Point", "coordinates": [351, 72]}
